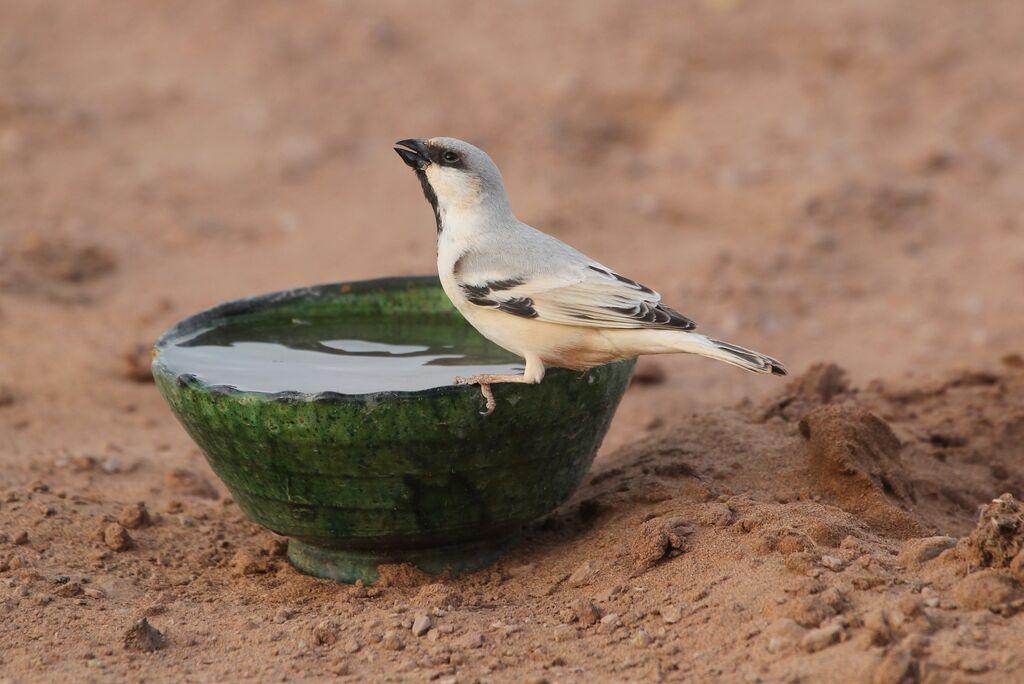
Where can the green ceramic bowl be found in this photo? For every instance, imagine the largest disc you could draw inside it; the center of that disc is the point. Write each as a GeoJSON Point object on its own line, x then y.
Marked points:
{"type": "Point", "coordinates": [390, 477]}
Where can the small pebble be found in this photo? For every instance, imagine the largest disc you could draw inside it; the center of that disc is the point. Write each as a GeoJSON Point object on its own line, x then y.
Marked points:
{"type": "Point", "coordinates": [671, 614]}
{"type": "Point", "coordinates": [69, 590]}
{"type": "Point", "coordinates": [144, 637]}
{"type": "Point", "coordinates": [587, 613]}
{"type": "Point", "coordinates": [821, 638]}
{"type": "Point", "coordinates": [421, 624]}
{"type": "Point", "coordinates": [111, 466]}
{"type": "Point", "coordinates": [642, 638]}
{"type": "Point", "coordinates": [134, 516]}
{"type": "Point", "coordinates": [325, 633]}
{"type": "Point", "coordinates": [391, 641]}
{"type": "Point", "coordinates": [116, 537]}
{"type": "Point", "coordinates": [471, 640]}
{"type": "Point", "coordinates": [609, 623]}
{"type": "Point", "coordinates": [583, 574]}
{"type": "Point", "coordinates": [832, 563]}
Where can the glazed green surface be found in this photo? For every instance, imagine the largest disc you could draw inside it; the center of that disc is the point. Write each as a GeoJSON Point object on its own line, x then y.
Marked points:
{"type": "Point", "coordinates": [393, 476]}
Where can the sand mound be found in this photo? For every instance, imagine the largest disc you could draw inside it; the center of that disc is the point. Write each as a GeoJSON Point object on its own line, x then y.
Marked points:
{"type": "Point", "coordinates": [854, 461]}
{"type": "Point", "coordinates": [820, 384]}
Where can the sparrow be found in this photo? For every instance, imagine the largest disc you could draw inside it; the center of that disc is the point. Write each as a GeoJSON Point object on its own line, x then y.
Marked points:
{"type": "Point", "coordinates": [531, 293]}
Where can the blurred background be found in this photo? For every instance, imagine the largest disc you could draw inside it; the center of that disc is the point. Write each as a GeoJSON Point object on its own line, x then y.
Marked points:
{"type": "Point", "coordinates": [834, 181]}
{"type": "Point", "coordinates": [825, 181]}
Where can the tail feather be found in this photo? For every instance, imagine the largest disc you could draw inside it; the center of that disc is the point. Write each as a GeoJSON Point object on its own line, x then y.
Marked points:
{"type": "Point", "coordinates": [750, 360]}
{"type": "Point", "coordinates": [730, 353]}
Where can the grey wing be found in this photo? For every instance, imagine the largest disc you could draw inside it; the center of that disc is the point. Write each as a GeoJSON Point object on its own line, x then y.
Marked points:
{"type": "Point", "coordinates": [570, 290]}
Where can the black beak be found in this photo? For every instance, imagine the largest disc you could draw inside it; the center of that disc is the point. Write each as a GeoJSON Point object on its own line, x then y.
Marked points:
{"type": "Point", "coordinates": [413, 152]}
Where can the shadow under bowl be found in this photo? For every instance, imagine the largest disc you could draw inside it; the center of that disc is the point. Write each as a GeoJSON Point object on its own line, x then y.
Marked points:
{"type": "Point", "coordinates": [419, 477]}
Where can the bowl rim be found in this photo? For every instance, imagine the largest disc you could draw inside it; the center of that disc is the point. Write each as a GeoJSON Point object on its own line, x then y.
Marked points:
{"type": "Point", "coordinates": [245, 305]}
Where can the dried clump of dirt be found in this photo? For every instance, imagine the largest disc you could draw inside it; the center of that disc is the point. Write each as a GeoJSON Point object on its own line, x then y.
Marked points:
{"type": "Point", "coordinates": [855, 461]}
{"type": "Point", "coordinates": [988, 589]}
{"type": "Point", "coordinates": [134, 516]}
{"type": "Point", "coordinates": [438, 595]}
{"type": "Point", "coordinates": [401, 575]}
{"type": "Point", "coordinates": [116, 537]}
{"type": "Point", "coordinates": [325, 632]}
{"type": "Point", "coordinates": [998, 540]}
{"type": "Point", "coordinates": [144, 637]}
{"type": "Point", "coordinates": [656, 539]}
{"type": "Point", "coordinates": [246, 563]}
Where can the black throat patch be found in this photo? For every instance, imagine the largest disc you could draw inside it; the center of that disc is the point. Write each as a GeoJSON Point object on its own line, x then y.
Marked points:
{"type": "Point", "coordinates": [431, 196]}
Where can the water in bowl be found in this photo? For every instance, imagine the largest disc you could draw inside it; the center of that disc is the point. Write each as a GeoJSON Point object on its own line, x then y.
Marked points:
{"type": "Point", "coordinates": [405, 354]}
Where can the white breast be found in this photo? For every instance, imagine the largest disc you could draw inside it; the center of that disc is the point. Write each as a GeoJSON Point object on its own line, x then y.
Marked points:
{"type": "Point", "coordinates": [456, 239]}
{"type": "Point", "coordinates": [449, 249]}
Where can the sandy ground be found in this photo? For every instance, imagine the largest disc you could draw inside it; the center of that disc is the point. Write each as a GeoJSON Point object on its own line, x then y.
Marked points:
{"type": "Point", "coordinates": [826, 182]}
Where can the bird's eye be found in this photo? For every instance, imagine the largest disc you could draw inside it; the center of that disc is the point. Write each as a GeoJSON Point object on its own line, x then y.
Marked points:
{"type": "Point", "coordinates": [450, 157]}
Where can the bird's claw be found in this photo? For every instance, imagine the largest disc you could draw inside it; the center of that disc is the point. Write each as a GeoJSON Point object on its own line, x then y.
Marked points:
{"type": "Point", "coordinates": [485, 390]}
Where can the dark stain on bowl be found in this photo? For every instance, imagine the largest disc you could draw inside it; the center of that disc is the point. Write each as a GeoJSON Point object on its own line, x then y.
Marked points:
{"type": "Point", "coordinates": [355, 480]}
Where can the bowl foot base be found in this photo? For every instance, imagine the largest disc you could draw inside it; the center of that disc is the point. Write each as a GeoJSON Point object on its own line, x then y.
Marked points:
{"type": "Point", "coordinates": [347, 565]}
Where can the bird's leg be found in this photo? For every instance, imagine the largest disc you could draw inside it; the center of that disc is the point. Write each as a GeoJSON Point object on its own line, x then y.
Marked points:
{"type": "Point", "coordinates": [485, 381]}
{"type": "Point", "coordinates": [532, 374]}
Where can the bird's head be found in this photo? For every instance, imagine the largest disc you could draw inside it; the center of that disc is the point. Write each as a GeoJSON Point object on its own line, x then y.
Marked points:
{"type": "Point", "coordinates": [456, 176]}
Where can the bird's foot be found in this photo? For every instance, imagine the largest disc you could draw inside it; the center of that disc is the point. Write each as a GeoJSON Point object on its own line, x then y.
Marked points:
{"type": "Point", "coordinates": [485, 382]}
{"type": "Point", "coordinates": [485, 389]}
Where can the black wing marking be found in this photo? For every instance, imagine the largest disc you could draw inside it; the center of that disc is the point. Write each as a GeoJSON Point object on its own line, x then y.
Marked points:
{"type": "Point", "coordinates": [623, 279]}
{"type": "Point", "coordinates": [655, 315]}
{"type": "Point", "coordinates": [649, 313]}
{"type": "Point", "coordinates": [641, 310]}
{"type": "Point", "coordinates": [481, 296]}
{"type": "Point", "coordinates": [518, 306]}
